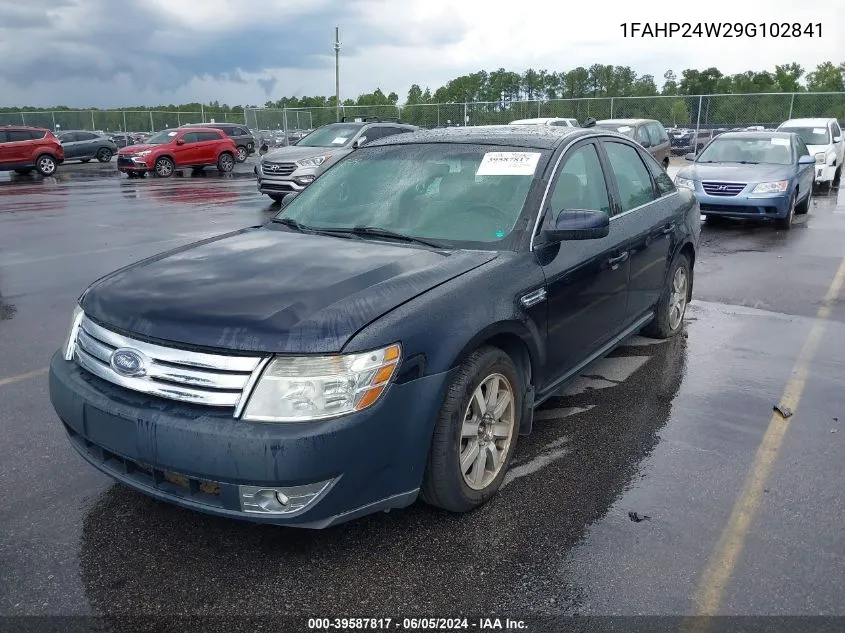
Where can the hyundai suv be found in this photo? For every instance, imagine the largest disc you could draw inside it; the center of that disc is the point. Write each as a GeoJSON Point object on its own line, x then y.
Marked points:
{"type": "Point", "coordinates": [388, 335]}
{"type": "Point", "coordinates": [244, 140]}
{"type": "Point", "coordinates": [83, 145]}
{"type": "Point", "coordinates": [169, 150]}
{"type": "Point", "coordinates": [23, 149]}
{"type": "Point", "coordinates": [291, 169]}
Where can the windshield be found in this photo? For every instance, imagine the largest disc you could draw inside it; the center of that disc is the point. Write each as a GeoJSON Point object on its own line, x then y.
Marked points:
{"type": "Point", "coordinates": [627, 130]}
{"type": "Point", "coordinates": [774, 151]}
{"type": "Point", "coordinates": [464, 196]}
{"type": "Point", "coordinates": [332, 135]}
{"type": "Point", "coordinates": [810, 135]}
{"type": "Point", "coordinates": [165, 136]}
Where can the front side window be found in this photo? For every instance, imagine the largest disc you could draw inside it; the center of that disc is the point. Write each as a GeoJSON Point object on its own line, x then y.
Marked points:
{"type": "Point", "coordinates": [642, 135]}
{"type": "Point", "coordinates": [664, 182]}
{"type": "Point", "coordinates": [165, 136]}
{"type": "Point", "coordinates": [456, 195]}
{"type": "Point", "coordinates": [581, 183]}
{"type": "Point", "coordinates": [632, 178]}
{"type": "Point", "coordinates": [332, 135]}
{"type": "Point", "coordinates": [190, 137]}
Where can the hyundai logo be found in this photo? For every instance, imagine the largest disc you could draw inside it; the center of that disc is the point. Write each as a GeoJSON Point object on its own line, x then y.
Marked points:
{"type": "Point", "coordinates": [272, 167]}
{"type": "Point", "coordinates": [723, 187]}
{"type": "Point", "coordinates": [128, 362]}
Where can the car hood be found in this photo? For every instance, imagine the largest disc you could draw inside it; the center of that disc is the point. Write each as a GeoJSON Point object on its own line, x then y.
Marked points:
{"type": "Point", "coordinates": [735, 172]}
{"type": "Point", "coordinates": [134, 149]}
{"type": "Point", "coordinates": [293, 153]}
{"type": "Point", "coordinates": [816, 149]}
{"type": "Point", "coordinates": [267, 289]}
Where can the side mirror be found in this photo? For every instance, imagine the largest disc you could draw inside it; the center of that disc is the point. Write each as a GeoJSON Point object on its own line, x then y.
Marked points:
{"type": "Point", "coordinates": [180, 141]}
{"type": "Point", "coordinates": [690, 156]}
{"type": "Point", "coordinates": [578, 224]}
{"type": "Point", "coordinates": [836, 139]}
{"type": "Point", "coordinates": [359, 142]}
{"type": "Point", "coordinates": [288, 197]}
{"type": "Point", "coordinates": [645, 143]}
{"type": "Point", "coordinates": [806, 160]}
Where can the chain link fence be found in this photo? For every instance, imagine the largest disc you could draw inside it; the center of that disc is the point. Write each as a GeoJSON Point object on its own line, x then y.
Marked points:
{"type": "Point", "coordinates": [707, 111]}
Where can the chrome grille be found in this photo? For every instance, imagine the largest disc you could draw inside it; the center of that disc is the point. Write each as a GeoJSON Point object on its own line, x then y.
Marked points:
{"type": "Point", "coordinates": [714, 188]}
{"type": "Point", "coordinates": [277, 169]}
{"type": "Point", "coordinates": [199, 378]}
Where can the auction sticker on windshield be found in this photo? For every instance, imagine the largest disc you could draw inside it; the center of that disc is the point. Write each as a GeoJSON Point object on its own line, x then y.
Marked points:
{"type": "Point", "coordinates": [340, 140]}
{"type": "Point", "coordinates": [819, 130]}
{"type": "Point", "coordinates": [508, 164]}
{"type": "Point", "coordinates": [780, 141]}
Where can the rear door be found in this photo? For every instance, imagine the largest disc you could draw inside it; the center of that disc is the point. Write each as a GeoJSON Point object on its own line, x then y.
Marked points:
{"type": "Point", "coordinates": [19, 146]}
{"type": "Point", "coordinates": [89, 143]}
{"type": "Point", "coordinates": [586, 280]}
{"type": "Point", "coordinates": [644, 195]}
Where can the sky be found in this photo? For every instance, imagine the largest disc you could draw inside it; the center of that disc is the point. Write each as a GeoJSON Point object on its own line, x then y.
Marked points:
{"type": "Point", "coordinates": [112, 53]}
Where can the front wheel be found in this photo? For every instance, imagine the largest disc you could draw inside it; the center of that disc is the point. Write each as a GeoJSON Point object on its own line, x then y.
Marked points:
{"type": "Point", "coordinates": [803, 207]}
{"type": "Point", "coordinates": [672, 305]}
{"type": "Point", "coordinates": [786, 223]}
{"type": "Point", "coordinates": [276, 197]}
{"type": "Point", "coordinates": [242, 154]}
{"type": "Point", "coordinates": [45, 165]}
{"type": "Point", "coordinates": [164, 167]}
{"type": "Point", "coordinates": [104, 155]}
{"type": "Point", "coordinates": [475, 433]}
{"type": "Point", "coordinates": [226, 162]}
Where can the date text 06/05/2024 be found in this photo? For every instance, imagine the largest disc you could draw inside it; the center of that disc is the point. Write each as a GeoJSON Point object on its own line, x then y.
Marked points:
{"type": "Point", "coordinates": [416, 624]}
{"type": "Point", "coordinates": [721, 29]}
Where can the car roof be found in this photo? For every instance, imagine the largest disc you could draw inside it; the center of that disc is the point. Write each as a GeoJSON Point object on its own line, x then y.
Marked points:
{"type": "Point", "coordinates": [23, 127]}
{"type": "Point", "coordinates": [626, 121]}
{"type": "Point", "coordinates": [541, 121]}
{"type": "Point", "coordinates": [214, 125]}
{"type": "Point", "coordinates": [540, 136]}
{"type": "Point", "coordinates": [808, 122]}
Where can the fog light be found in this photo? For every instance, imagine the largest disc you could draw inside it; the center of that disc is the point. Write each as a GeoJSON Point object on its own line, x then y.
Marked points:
{"type": "Point", "coordinates": [286, 500]}
{"type": "Point", "coordinates": [304, 180]}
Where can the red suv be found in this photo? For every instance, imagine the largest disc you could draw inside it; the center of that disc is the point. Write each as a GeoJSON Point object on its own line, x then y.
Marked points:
{"type": "Point", "coordinates": [26, 148]}
{"type": "Point", "coordinates": [169, 150]}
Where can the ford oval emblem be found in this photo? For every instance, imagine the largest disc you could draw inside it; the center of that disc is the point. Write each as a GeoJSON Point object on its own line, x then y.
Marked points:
{"type": "Point", "coordinates": [128, 362]}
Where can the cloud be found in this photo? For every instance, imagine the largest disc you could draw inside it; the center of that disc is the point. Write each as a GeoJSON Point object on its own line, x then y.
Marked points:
{"type": "Point", "coordinates": [110, 53]}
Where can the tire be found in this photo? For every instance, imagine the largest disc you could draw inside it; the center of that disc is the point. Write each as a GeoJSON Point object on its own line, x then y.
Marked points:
{"type": "Point", "coordinates": [45, 165]}
{"type": "Point", "coordinates": [446, 483]}
{"type": "Point", "coordinates": [226, 162]}
{"type": "Point", "coordinates": [164, 167]}
{"type": "Point", "coordinates": [242, 155]}
{"type": "Point", "coordinates": [712, 220]}
{"type": "Point", "coordinates": [134, 174]}
{"type": "Point", "coordinates": [85, 160]}
{"type": "Point", "coordinates": [803, 207]}
{"type": "Point", "coordinates": [665, 164]}
{"type": "Point", "coordinates": [276, 197]}
{"type": "Point", "coordinates": [837, 175]}
{"type": "Point", "coordinates": [672, 305]}
{"type": "Point", "coordinates": [104, 155]}
{"type": "Point", "coordinates": [784, 224]}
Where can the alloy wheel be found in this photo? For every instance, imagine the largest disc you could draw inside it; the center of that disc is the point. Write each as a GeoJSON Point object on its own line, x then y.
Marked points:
{"type": "Point", "coordinates": [46, 165]}
{"type": "Point", "coordinates": [678, 298]}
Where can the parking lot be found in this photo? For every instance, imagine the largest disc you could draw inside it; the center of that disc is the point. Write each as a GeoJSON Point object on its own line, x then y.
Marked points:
{"type": "Point", "coordinates": [658, 482]}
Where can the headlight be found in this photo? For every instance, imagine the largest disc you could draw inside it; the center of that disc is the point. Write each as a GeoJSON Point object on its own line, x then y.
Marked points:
{"type": "Point", "coordinates": [820, 158]}
{"type": "Point", "coordinates": [306, 388]}
{"type": "Point", "coordinates": [684, 182]}
{"type": "Point", "coordinates": [313, 162]}
{"type": "Point", "coordinates": [146, 152]}
{"type": "Point", "coordinates": [771, 187]}
{"type": "Point", "coordinates": [70, 341]}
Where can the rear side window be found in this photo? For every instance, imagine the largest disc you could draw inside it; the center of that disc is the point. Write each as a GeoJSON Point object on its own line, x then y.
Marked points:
{"type": "Point", "coordinates": [86, 136]}
{"type": "Point", "coordinates": [632, 178]}
{"type": "Point", "coordinates": [654, 133]}
{"type": "Point", "coordinates": [15, 136]}
{"type": "Point", "coordinates": [207, 136]}
{"type": "Point", "coordinates": [2, 136]}
{"type": "Point", "coordinates": [643, 135]}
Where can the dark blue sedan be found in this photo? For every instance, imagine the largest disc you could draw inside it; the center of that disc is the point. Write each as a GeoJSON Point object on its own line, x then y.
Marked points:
{"type": "Point", "coordinates": [767, 175]}
{"type": "Point", "coordinates": [388, 335]}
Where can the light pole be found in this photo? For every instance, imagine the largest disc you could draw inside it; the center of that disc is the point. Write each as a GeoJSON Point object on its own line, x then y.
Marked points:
{"type": "Point", "coordinates": [337, 69]}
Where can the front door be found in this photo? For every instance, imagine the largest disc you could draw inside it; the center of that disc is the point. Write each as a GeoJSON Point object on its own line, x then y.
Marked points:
{"type": "Point", "coordinates": [187, 153]}
{"type": "Point", "coordinates": [586, 280]}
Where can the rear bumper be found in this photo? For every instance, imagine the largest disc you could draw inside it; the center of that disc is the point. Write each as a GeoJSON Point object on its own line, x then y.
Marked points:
{"type": "Point", "coordinates": [744, 206]}
{"type": "Point", "coordinates": [199, 458]}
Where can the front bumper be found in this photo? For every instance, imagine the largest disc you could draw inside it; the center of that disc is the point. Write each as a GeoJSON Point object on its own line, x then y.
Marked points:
{"type": "Point", "coordinates": [824, 173]}
{"type": "Point", "coordinates": [280, 185]}
{"type": "Point", "coordinates": [744, 205]}
{"type": "Point", "coordinates": [199, 457]}
{"type": "Point", "coordinates": [126, 164]}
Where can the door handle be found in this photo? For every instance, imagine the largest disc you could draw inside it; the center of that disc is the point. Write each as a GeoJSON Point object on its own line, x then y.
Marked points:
{"type": "Point", "coordinates": [668, 230]}
{"type": "Point", "coordinates": [615, 261]}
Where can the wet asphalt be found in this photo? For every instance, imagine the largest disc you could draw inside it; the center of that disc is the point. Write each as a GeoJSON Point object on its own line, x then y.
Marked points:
{"type": "Point", "coordinates": [614, 505]}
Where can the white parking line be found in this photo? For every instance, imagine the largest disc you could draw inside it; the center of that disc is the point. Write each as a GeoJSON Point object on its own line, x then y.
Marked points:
{"type": "Point", "coordinates": [532, 466]}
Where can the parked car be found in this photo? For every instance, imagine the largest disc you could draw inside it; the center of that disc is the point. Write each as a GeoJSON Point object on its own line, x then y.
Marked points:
{"type": "Point", "coordinates": [681, 140]}
{"type": "Point", "coordinates": [825, 142]}
{"type": "Point", "coordinates": [244, 141]}
{"type": "Point", "coordinates": [388, 335]}
{"type": "Point", "coordinates": [291, 169]}
{"type": "Point", "coordinates": [122, 140]}
{"type": "Point", "coordinates": [23, 149]}
{"type": "Point", "coordinates": [766, 175]}
{"type": "Point", "coordinates": [557, 122]}
{"type": "Point", "coordinates": [169, 150]}
{"type": "Point", "coordinates": [83, 146]}
{"type": "Point", "coordinates": [647, 132]}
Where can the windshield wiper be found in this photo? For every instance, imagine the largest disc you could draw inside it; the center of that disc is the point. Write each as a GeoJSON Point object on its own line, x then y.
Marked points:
{"type": "Point", "coordinates": [375, 231]}
{"type": "Point", "coordinates": [302, 228]}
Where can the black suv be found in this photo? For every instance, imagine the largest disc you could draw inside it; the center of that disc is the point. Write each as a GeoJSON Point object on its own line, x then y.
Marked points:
{"type": "Point", "coordinates": [244, 141]}
{"type": "Point", "coordinates": [388, 335]}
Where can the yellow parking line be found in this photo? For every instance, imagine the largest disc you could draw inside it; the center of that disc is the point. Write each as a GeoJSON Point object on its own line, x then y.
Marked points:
{"type": "Point", "coordinates": [30, 374]}
{"type": "Point", "coordinates": [722, 562]}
